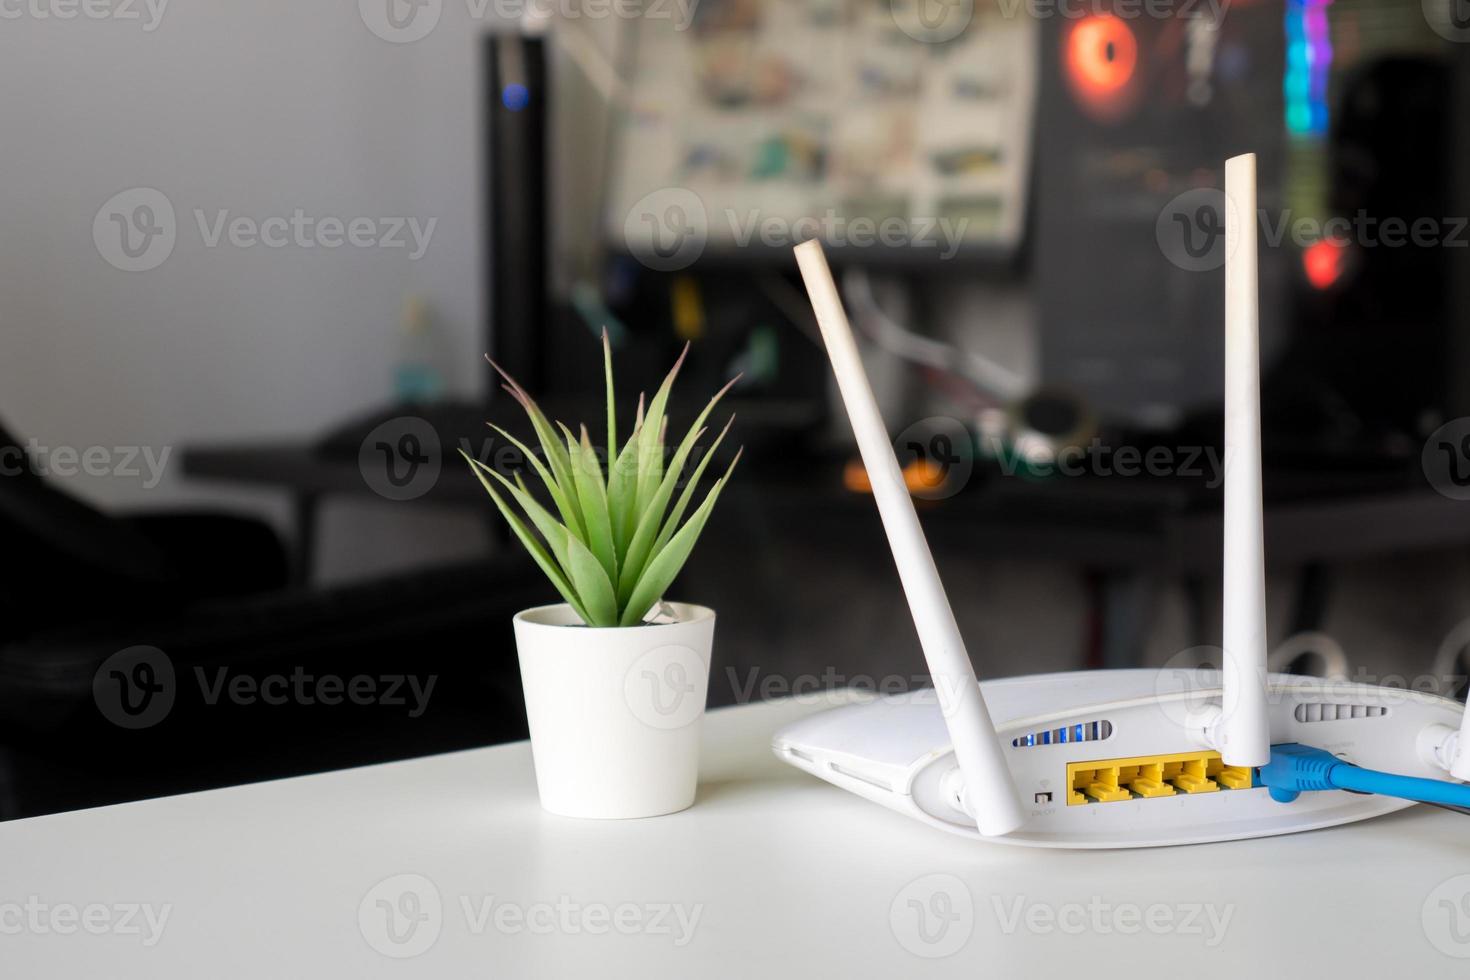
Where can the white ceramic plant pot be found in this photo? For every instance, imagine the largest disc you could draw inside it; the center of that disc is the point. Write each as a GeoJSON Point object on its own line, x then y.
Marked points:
{"type": "Point", "coordinates": [615, 712]}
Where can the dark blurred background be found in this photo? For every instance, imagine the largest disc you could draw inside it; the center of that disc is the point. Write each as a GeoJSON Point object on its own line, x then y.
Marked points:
{"type": "Point", "coordinates": [252, 256]}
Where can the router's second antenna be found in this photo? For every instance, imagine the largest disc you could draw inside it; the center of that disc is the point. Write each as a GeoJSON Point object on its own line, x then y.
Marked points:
{"type": "Point", "coordinates": [1244, 734]}
{"type": "Point", "coordinates": [990, 795]}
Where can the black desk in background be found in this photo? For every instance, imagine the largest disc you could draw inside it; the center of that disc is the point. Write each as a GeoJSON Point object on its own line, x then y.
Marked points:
{"type": "Point", "coordinates": [1127, 535]}
{"type": "Point", "coordinates": [1107, 523]}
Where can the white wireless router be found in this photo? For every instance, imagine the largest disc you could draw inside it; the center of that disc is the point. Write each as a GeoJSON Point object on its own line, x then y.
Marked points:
{"type": "Point", "coordinates": [1111, 758]}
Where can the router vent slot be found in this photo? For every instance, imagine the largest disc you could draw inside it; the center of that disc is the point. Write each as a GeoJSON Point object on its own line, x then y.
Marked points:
{"type": "Point", "coordinates": [1087, 731]}
{"type": "Point", "coordinates": [860, 777]}
{"type": "Point", "coordinates": [1318, 711]}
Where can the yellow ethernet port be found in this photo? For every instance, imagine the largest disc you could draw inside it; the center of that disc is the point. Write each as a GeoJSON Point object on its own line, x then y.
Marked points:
{"type": "Point", "coordinates": [1149, 776]}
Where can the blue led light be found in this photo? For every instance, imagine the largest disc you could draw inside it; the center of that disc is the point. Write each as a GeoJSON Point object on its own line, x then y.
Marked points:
{"type": "Point", "coordinates": [515, 97]}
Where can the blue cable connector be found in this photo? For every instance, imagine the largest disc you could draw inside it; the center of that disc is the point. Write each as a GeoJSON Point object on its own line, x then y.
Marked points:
{"type": "Point", "coordinates": [1295, 769]}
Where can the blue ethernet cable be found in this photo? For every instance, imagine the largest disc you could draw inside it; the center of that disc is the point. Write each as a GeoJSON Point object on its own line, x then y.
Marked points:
{"type": "Point", "coordinates": [1295, 769]}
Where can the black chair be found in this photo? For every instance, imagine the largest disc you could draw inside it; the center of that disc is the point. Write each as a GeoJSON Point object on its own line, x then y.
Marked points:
{"type": "Point", "coordinates": [206, 595]}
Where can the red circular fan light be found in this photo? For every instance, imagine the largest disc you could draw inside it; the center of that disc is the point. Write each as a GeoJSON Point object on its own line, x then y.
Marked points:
{"type": "Point", "coordinates": [1101, 60]}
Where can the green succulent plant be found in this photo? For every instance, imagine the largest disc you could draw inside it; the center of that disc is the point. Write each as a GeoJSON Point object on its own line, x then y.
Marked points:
{"type": "Point", "coordinates": [615, 541]}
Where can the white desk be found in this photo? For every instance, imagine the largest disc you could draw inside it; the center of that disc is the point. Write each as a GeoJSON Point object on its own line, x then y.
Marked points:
{"type": "Point", "coordinates": [787, 877]}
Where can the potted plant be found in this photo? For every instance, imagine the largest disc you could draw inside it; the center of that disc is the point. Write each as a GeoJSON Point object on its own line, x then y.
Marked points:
{"type": "Point", "coordinates": [615, 677]}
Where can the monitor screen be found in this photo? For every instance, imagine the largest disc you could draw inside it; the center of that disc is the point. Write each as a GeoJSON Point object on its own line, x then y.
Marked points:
{"type": "Point", "coordinates": [762, 123]}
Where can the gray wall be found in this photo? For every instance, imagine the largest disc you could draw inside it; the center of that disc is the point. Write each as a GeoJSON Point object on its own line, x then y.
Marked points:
{"type": "Point", "coordinates": [260, 108]}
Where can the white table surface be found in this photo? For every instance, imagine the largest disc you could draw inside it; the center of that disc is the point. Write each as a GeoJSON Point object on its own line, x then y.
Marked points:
{"type": "Point", "coordinates": [775, 874]}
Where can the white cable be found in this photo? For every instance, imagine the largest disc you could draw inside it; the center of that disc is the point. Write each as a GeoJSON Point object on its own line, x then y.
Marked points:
{"type": "Point", "coordinates": [903, 343]}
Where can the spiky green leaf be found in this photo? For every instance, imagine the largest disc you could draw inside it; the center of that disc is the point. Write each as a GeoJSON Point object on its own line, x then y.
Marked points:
{"type": "Point", "coordinates": [651, 446]}
{"type": "Point", "coordinates": [593, 585]}
{"type": "Point", "coordinates": [562, 498]}
{"type": "Point", "coordinates": [592, 496]}
{"type": "Point", "coordinates": [556, 534]}
{"type": "Point", "coordinates": [687, 494]}
{"type": "Point", "coordinates": [612, 412]}
{"type": "Point", "coordinates": [556, 455]}
{"type": "Point", "coordinates": [648, 524]}
{"type": "Point", "coordinates": [538, 552]}
{"type": "Point", "coordinates": [622, 494]}
{"type": "Point", "coordinates": [666, 564]}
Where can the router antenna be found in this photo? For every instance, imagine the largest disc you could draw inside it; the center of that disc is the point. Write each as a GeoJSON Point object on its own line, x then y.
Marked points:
{"type": "Point", "coordinates": [1244, 734]}
{"type": "Point", "coordinates": [990, 795]}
